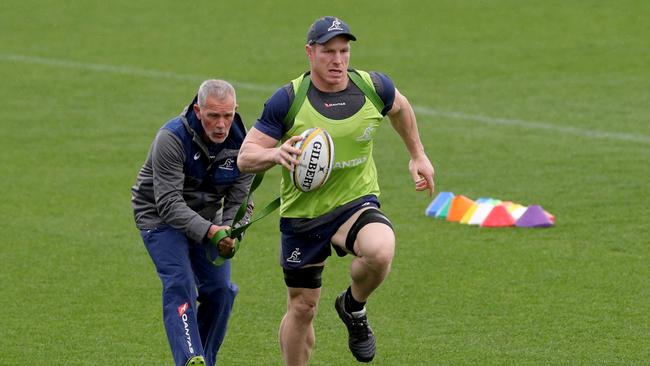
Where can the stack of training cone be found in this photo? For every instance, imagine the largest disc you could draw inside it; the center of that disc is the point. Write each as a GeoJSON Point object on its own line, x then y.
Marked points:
{"type": "Point", "coordinates": [487, 212]}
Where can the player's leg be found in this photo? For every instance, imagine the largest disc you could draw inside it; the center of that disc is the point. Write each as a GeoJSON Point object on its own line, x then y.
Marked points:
{"type": "Point", "coordinates": [369, 236]}
{"type": "Point", "coordinates": [215, 301]}
{"type": "Point", "coordinates": [375, 249]}
{"type": "Point", "coordinates": [296, 333]}
{"type": "Point", "coordinates": [169, 250]}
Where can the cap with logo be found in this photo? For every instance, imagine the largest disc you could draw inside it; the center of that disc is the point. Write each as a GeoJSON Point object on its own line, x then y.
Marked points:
{"type": "Point", "coordinates": [327, 28]}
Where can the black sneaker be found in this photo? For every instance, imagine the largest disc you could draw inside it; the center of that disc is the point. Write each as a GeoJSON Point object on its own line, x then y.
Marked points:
{"type": "Point", "coordinates": [361, 340]}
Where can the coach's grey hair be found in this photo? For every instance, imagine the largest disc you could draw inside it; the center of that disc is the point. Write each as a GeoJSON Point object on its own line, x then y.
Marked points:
{"type": "Point", "coordinates": [220, 89]}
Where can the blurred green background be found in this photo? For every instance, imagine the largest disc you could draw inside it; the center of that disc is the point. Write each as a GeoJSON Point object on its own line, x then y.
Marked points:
{"type": "Point", "coordinates": [534, 102]}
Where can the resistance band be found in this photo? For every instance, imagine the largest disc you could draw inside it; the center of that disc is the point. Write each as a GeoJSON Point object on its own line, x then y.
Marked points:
{"type": "Point", "coordinates": [236, 232]}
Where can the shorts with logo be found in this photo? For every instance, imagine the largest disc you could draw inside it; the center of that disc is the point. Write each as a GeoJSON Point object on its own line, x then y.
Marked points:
{"type": "Point", "coordinates": [308, 241]}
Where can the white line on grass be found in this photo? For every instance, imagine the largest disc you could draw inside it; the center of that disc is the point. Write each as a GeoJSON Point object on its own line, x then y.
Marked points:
{"type": "Point", "coordinates": [124, 70]}
{"type": "Point", "coordinates": [533, 125]}
{"type": "Point", "coordinates": [421, 110]}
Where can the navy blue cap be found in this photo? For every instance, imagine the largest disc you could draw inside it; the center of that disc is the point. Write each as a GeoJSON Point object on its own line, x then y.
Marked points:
{"type": "Point", "coordinates": [327, 28]}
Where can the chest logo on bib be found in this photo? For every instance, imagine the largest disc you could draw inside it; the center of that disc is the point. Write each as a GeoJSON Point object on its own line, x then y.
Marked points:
{"type": "Point", "coordinates": [367, 134]}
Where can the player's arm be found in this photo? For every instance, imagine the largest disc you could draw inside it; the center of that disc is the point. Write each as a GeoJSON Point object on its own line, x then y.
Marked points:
{"type": "Point", "coordinates": [259, 152]}
{"type": "Point", "coordinates": [403, 120]}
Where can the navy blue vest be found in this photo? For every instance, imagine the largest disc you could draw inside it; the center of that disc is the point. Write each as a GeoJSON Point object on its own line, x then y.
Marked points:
{"type": "Point", "coordinates": [207, 165]}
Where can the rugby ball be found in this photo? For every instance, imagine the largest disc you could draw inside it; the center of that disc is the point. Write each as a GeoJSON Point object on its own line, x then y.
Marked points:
{"type": "Point", "coordinates": [316, 159]}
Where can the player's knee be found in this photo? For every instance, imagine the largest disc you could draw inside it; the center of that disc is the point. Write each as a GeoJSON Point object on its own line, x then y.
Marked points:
{"type": "Point", "coordinates": [382, 257]}
{"type": "Point", "coordinates": [304, 291]}
{"type": "Point", "coordinates": [303, 308]}
{"type": "Point", "coordinates": [377, 244]}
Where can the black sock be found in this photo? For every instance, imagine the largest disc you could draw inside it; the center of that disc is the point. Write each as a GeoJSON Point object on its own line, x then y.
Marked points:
{"type": "Point", "coordinates": [352, 305]}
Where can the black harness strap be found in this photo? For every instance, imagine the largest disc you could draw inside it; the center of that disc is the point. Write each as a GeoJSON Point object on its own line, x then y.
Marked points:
{"type": "Point", "coordinates": [366, 217]}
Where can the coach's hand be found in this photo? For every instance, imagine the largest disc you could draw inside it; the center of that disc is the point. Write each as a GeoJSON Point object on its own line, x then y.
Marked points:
{"type": "Point", "coordinates": [225, 246]}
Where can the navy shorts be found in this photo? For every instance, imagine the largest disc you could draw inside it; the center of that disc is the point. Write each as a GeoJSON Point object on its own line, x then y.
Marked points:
{"type": "Point", "coordinates": [308, 241]}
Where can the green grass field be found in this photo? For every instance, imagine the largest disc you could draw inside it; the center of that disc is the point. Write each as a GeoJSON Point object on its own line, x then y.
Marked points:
{"type": "Point", "coordinates": [535, 102]}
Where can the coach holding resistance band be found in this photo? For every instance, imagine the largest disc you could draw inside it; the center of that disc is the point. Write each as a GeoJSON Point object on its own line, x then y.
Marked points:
{"type": "Point", "coordinates": [188, 189]}
{"type": "Point", "coordinates": [344, 213]}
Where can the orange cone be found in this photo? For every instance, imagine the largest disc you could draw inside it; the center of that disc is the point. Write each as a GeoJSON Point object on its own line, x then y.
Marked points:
{"type": "Point", "coordinates": [459, 206]}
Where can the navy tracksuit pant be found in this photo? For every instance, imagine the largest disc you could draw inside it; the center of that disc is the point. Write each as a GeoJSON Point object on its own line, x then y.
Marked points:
{"type": "Point", "coordinates": [197, 296]}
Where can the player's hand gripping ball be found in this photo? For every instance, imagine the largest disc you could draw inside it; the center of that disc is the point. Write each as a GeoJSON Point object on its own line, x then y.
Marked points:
{"type": "Point", "coordinates": [316, 159]}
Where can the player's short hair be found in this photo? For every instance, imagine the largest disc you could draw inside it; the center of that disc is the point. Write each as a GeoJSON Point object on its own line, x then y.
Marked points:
{"type": "Point", "coordinates": [220, 89]}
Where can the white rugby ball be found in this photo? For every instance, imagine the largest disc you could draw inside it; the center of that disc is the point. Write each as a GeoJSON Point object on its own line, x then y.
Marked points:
{"type": "Point", "coordinates": [316, 159]}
